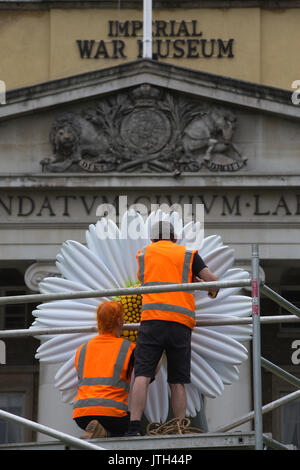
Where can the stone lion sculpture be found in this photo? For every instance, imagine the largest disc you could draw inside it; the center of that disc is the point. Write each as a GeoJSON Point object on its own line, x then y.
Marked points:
{"type": "Point", "coordinates": [211, 132]}
{"type": "Point", "coordinates": [72, 137]}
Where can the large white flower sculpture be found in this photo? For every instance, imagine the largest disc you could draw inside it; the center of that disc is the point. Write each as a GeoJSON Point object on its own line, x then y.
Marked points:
{"type": "Point", "coordinates": [109, 261]}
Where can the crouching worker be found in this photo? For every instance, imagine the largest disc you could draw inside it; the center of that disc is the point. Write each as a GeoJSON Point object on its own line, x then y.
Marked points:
{"type": "Point", "coordinates": [104, 366]}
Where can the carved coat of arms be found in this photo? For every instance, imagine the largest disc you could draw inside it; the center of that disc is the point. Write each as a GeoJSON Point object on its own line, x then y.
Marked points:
{"type": "Point", "coordinates": [145, 130]}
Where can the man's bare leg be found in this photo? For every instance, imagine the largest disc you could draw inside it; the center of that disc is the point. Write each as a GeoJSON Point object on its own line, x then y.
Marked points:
{"type": "Point", "coordinates": [178, 400]}
{"type": "Point", "coordinates": [138, 397]}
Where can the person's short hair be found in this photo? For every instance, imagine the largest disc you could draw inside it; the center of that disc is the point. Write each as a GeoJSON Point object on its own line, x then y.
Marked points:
{"type": "Point", "coordinates": [162, 230]}
{"type": "Point", "coordinates": [108, 315]}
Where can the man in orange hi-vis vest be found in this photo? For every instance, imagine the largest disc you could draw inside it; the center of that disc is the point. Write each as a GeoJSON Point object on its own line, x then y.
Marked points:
{"type": "Point", "coordinates": [167, 319]}
{"type": "Point", "coordinates": [104, 366]}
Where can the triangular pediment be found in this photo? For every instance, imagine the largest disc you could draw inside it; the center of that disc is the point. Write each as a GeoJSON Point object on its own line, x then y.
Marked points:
{"type": "Point", "coordinates": [174, 78]}
{"type": "Point", "coordinates": [148, 117]}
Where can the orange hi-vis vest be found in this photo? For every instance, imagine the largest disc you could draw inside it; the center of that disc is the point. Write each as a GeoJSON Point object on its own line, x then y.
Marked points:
{"type": "Point", "coordinates": [160, 263]}
{"type": "Point", "coordinates": [102, 369]}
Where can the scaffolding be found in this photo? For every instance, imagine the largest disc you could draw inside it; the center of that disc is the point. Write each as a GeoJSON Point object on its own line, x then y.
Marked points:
{"type": "Point", "coordinates": [262, 441]}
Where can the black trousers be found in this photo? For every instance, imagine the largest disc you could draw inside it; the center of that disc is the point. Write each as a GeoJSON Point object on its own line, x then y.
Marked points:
{"type": "Point", "coordinates": [115, 426]}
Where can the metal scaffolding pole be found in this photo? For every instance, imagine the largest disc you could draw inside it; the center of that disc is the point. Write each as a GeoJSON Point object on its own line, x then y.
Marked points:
{"type": "Point", "coordinates": [280, 372]}
{"type": "Point", "coordinates": [256, 350]}
{"type": "Point", "coordinates": [35, 298]}
{"type": "Point", "coordinates": [273, 444]}
{"type": "Point", "coordinates": [134, 326]}
{"type": "Point", "coordinates": [61, 436]}
{"type": "Point", "coordinates": [265, 409]}
{"type": "Point", "coordinates": [280, 300]}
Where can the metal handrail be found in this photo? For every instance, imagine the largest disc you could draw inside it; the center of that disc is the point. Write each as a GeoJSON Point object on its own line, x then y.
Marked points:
{"type": "Point", "coordinates": [134, 326]}
{"type": "Point", "coordinates": [186, 287]}
{"type": "Point", "coordinates": [76, 442]}
{"type": "Point", "coordinates": [265, 409]}
{"type": "Point", "coordinates": [280, 372]}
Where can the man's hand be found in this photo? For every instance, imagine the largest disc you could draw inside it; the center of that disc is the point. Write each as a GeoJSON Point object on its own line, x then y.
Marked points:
{"type": "Point", "coordinates": [212, 293]}
{"type": "Point", "coordinates": [205, 275]}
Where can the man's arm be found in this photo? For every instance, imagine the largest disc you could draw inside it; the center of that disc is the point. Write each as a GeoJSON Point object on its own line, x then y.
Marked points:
{"type": "Point", "coordinates": [201, 271]}
{"type": "Point", "coordinates": [207, 276]}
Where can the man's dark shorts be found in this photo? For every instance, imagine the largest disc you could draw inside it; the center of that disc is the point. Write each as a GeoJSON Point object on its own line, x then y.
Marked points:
{"type": "Point", "coordinates": [157, 336]}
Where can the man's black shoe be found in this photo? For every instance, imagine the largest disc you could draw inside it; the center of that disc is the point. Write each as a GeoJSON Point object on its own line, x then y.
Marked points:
{"type": "Point", "coordinates": [132, 434]}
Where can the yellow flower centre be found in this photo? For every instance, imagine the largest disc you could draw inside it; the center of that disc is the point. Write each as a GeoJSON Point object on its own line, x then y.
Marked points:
{"type": "Point", "coordinates": [132, 305]}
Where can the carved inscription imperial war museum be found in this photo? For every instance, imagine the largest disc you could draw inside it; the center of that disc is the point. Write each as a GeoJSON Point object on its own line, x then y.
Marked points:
{"type": "Point", "coordinates": [146, 129]}
{"type": "Point", "coordinates": [172, 39]}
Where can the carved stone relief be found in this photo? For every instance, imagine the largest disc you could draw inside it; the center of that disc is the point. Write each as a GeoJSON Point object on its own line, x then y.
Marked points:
{"type": "Point", "coordinates": [37, 272]}
{"type": "Point", "coordinates": [145, 130]}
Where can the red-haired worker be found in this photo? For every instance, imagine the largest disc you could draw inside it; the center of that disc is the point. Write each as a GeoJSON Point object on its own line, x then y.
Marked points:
{"type": "Point", "coordinates": [104, 367]}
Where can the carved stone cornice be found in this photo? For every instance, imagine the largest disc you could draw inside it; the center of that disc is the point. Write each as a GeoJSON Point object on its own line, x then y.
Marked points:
{"type": "Point", "coordinates": [73, 181]}
{"type": "Point", "coordinates": [223, 90]}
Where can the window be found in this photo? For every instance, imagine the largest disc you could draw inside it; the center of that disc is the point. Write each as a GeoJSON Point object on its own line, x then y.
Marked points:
{"type": "Point", "coordinates": [286, 418]}
{"type": "Point", "coordinates": [14, 316]}
{"type": "Point", "coordinates": [292, 294]}
{"type": "Point", "coordinates": [19, 373]}
{"type": "Point", "coordinates": [290, 290]}
{"type": "Point", "coordinates": [290, 423]}
{"type": "Point", "coordinates": [14, 403]}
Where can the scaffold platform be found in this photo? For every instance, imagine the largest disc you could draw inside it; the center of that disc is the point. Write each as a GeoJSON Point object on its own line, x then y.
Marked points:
{"type": "Point", "coordinates": [205, 441]}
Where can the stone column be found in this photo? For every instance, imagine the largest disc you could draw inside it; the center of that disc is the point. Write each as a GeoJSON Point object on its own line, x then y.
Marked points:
{"type": "Point", "coordinates": [52, 411]}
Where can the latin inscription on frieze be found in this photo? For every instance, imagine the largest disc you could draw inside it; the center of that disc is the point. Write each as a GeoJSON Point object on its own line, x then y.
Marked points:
{"type": "Point", "coordinates": [219, 205]}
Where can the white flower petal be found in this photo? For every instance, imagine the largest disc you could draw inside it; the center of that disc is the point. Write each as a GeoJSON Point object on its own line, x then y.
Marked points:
{"type": "Point", "coordinates": [234, 305]}
{"type": "Point", "coordinates": [66, 376]}
{"type": "Point", "coordinates": [67, 396]}
{"type": "Point", "coordinates": [148, 224]}
{"type": "Point", "coordinates": [209, 343]}
{"type": "Point", "coordinates": [176, 221]}
{"type": "Point", "coordinates": [193, 400]}
{"type": "Point", "coordinates": [227, 372]}
{"type": "Point", "coordinates": [219, 260]}
{"type": "Point", "coordinates": [80, 265]}
{"type": "Point", "coordinates": [192, 236]}
{"type": "Point", "coordinates": [239, 333]}
{"type": "Point", "coordinates": [210, 244]}
{"type": "Point", "coordinates": [61, 347]}
{"type": "Point", "coordinates": [207, 380]}
{"type": "Point", "coordinates": [71, 312]}
{"type": "Point", "coordinates": [108, 251]}
{"type": "Point", "coordinates": [61, 323]}
{"type": "Point", "coordinates": [53, 285]}
{"type": "Point", "coordinates": [131, 246]}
